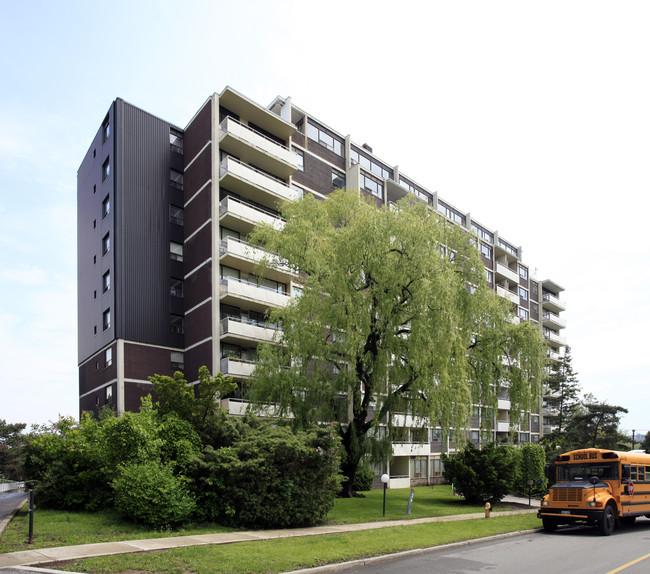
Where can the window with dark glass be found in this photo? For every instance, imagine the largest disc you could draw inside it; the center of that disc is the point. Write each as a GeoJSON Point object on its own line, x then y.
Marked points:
{"type": "Point", "coordinates": [320, 135]}
{"type": "Point", "coordinates": [176, 323]}
{"type": "Point", "coordinates": [372, 185]}
{"type": "Point", "coordinates": [176, 215]}
{"type": "Point", "coordinates": [175, 142]}
{"type": "Point", "coordinates": [338, 180]}
{"type": "Point", "coordinates": [106, 243]}
{"type": "Point", "coordinates": [106, 206]}
{"type": "Point", "coordinates": [106, 281]}
{"type": "Point", "coordinates": [177, 361]}
{"type": "Point", "coordinates": [106, 168]}
{"type": "Point", "coordinates": [106, 319]}
{"type": "Point", "coordinates": [176, 179]}
{"type": "Point", "coordinates": [301, 159]}
{"type": "Point", "coordinates": [106, 130]}
{"type": "Point", "coordinates": [175, 251]}
{"type": "Point", "coordinates": [176, 287]}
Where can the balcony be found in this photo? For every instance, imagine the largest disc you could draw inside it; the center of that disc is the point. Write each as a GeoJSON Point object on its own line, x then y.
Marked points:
{"type": "Point", "coordinates": [236, 368]}
{"type": "Point", "coordinates": [257, 297]}
{"type": "Point", "coordinates": [503, 426]}
{"type": "Point", "coordinates": [553, 321]}
{"type": "Point", "coordinates": [236, 407]}
{"type": "Point", "coordinates": [242, 216]}
{"type": "Point", "coordinates": [242, 255]}
{"type": "Point", "coordinates": [509, 295]}
{"type": "Point", "coordinates": [552, 303]}
{"type": "Point", "coordinates": [503, 405]}
{"type": "Point", "coordinates": [253, 147]}
{"type": "Point", "coordinates": [240, 329]}
{"type": "Point", "coordinates": [508, 273]}
{"type": "Point", "coordinates": [551, 336]}
{"type": "Point", "coordinates": [411, 449]}
{"type": "Point", "coordinates": [252, 183]}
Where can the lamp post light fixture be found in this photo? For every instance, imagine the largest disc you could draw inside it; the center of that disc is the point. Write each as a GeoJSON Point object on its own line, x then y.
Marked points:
{"type": "Point", "coordinates": [385, 478]}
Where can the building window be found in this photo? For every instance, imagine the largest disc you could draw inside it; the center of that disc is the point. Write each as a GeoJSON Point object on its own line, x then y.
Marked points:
{"type": "Point", "coordinates": [523, 272]}
{"type": "Point", "coordinates": [94, 224]}
{"type": "Point", "coordinates": [95, 330]}
{"type": "Point", "coordinates": [486, 250]}
{"type": "Point", "coordinates": [106, 206]}
{"type": "Point", "coordinates": [450, 213]}
{"type": "Point", "coordinates": [357, 157]}
{"type": "Point", "coordinates": [176, 215]}
{"type": "Point", "coordinates": [106, 168]}
{"type": "Point", "coordinates": [108, 357]}
{"type": "Point", "coordinates": [106, 243]}
{"type": "Point", "coordinates": [175, 142]}
{"type": "Point", "coordinates": [419, 467]}
{"type": "Point", "coordinates": [176, 322]}
{"type": "Point", "coordinates": [106, 281]}
{"type": "Point", "coordinates": [176, 287]}
{"type": "Point", "coordinates": [338, 180]}
{"type": "Point", "coordinates": [299, 190]}
{"type": "Point", "coordinates": [437, 467]}
{"type": "Point", "coordinates": [176, 251]}
{"type": "Point", "coordinates": [176, 179]}
{"type": "Point", "coordinates": [94, 259]}
{"type": "Point", "coordinates": [523, 293]}
{"type": "Point", "coordinates": [106, 319]}
{"type": "Point", "coordinates": [106, 130]}
{"type": "Point", "coordinates": [372, 185]}
{"type": "Point", "coordinates": [177, 361]}
{"type": "Point", "coordinates": [523, 314]}
{"type": "Point", "coordinates": [534, 289]}
{"type": "Point", "coordinates": [482, 233]}
{"type": "Point", "coordinates": [94, 294]}
{"type": "Point", "coordinates": [109, 395]}
{"type": "Point", "coordinates": [301, 159]}
{"type": "Point", "coordinates": [318, 134]}
{"type": "Point", "coordinates": [507, 247]}
{"type": "Point", "coordinates": [489, 276]}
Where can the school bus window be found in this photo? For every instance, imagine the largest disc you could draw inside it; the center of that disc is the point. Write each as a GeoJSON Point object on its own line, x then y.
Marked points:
{"type": "Point", "coordinates": [641, 473]}
{"type": "Point", "coordinates": [633, 475]}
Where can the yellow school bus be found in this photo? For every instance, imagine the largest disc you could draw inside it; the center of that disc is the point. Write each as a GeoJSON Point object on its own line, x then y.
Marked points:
{"type": "Point", "coordinates": [597, 487]}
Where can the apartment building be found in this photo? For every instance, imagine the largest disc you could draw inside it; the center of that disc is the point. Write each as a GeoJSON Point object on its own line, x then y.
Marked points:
{"type": "Point", "coordinates": [166, 278]}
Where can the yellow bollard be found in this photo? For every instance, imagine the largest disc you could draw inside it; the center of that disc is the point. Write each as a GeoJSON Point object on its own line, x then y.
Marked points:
{"type": "Point", "coordinates": [487, 509]}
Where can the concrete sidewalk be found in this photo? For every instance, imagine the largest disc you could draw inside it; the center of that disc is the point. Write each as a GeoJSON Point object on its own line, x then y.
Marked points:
{"type": "Point", "coordinates": [47, 555]}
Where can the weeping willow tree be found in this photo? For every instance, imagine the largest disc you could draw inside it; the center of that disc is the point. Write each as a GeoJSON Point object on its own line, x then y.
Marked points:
{"type": "Point", "coordinates": [395, 318]}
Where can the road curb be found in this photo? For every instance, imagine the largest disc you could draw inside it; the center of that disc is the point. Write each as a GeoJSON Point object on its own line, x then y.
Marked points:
{"type": "Point", "coordinates": [6, 521]}
{"type": "Point", "coordinates": [361, 562]}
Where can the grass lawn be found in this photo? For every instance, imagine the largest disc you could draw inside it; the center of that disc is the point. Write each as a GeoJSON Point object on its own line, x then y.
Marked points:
{"type": "Point", "coordinates": [286, 554]}
{"type": "Point", "coordinates": [57, 528]}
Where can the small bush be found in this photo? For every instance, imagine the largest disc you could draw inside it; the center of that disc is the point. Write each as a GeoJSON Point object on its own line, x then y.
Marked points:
{"type": "Point", "coordinates": [364, 478]}
{"type": "Point", "coordinates": [485, 475]}
{"type": "Point", "coordinates": [271, 478]}
{"type": "Point", "coordinates": [151, 494]}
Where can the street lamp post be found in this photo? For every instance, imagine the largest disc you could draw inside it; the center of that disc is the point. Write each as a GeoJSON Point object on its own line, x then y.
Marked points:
{"type": "Point", "coordinates": [385, 478]}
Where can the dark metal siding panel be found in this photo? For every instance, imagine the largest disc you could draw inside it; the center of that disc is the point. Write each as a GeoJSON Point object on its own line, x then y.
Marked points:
{"type": "Point", "coordinates": [91, 228]}
{"type": "Point", "coordinates": [142, 227]}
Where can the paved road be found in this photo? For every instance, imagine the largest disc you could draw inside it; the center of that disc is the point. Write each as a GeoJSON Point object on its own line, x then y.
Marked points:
{"type": "Point", "coordinates": [575, 550]}
{"type": "Point", "coordinates": [9, 502]}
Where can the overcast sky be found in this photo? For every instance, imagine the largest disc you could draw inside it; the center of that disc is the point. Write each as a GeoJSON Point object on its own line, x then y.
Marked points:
{"type": "Point", "coordinates": [533, 116]}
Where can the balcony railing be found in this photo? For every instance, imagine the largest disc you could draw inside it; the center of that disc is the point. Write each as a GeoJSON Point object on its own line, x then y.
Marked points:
{"type": "Point", "coordinates": [238, 368]}
{"type": "Point", "coordinates": [260, 146]}
{"type": "Point", "coordinates": [552, 302]}
{"type": "Point", "coordinates": [507, 272]}
{"type": "Point", "coordinates": [253, 214]}
{"type": "Point", "coordinates": [242, 289]}
{"type": "Point", "coordinates": [241, 249]}
{"type": "Point", "coordinates": [248, 175]}
{"type": "Point", "coordinates": [244, 328]}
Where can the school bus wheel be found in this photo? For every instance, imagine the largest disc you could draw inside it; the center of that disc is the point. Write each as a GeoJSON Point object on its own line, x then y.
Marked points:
{"type": "Point", "coordinates": [607, 520]}
{"type": "Point", "coordinates": [549, 524]}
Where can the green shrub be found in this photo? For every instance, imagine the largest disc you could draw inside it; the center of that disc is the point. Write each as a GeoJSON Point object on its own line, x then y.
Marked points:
{"type": "Point", "coordinates": [533, 459]}
{"type": "Point", "coordinates": [270, 478]}
{"type": "Point", "coordinates": [364, 478]}
{"type": "Point", "coordinates": [151, 494]}
{"type": "Point", "coordinates": [485, 475]}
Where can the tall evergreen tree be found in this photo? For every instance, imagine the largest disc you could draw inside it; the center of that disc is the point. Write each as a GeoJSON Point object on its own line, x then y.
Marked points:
{"type": "Point", "coordinates": [595, 425]}
{"type": "Point", "coordinates": [565, 387]}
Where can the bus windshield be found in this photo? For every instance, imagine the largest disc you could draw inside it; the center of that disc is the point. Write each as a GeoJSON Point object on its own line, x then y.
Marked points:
{"type": "Point", "coordinates": [603, 470]}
